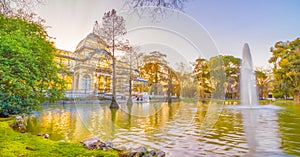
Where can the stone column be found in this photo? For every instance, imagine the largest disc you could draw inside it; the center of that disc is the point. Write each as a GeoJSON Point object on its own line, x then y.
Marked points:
{"type": "Point", "coordinates": [104, 84]}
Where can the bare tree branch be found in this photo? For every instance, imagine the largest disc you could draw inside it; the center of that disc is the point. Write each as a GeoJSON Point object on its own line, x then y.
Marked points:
{"type": "Point", "coordinates": [171, 4]}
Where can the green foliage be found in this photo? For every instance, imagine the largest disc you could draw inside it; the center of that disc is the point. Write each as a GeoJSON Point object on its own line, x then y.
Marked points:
{"type": "Point", "coordinates": [27, 68]}
{"type": "Point", "coordinates": [156, 71]}
{"type": "Point", "coordinates": [12, 105]}
{"type": "Point", "coordinates": [202, 73]}
{"type": "Point", "coordinates": [286, 60]}
{"type": "Point", "coordinates": [217, 75]}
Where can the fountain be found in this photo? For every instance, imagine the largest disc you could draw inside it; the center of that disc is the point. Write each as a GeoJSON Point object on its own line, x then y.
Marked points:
{"type": "Point", "coordinates": [248, 80]}
{"type": "Point", "coordinates": [257, 122]}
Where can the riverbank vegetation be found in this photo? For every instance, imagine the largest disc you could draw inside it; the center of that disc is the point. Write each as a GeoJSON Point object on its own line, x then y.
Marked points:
{"type": "Point", "coordinates": [23, 144]}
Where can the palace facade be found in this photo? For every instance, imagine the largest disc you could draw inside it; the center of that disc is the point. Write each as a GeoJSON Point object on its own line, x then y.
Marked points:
{"type": "Point", "coordinates": [89, 69]}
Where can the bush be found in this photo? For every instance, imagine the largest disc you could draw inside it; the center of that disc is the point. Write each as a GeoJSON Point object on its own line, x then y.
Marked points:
{"type": "Point", "coordinates": [12, 105]}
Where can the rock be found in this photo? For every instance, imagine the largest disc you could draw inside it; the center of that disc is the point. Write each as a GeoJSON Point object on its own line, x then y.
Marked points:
{"type": "Point", "coordinates": [96, 144]}
{"type": "Point", "coordinates": [147, 155]}
{"type": "Point", "coordinates": [155, 153]}
{"type": "Point", "coordinates": [18, 125]}
{"type": "Point", "coordinates": [19, 120]}
{"type": "Point", "coordinates": [29, 148]}
{"type": "Point", "coordinates": [140, 151]}
{"type": "Point", "coordinates": [110, 144]}
{"type": "Point", "coordinates": [19, 128]}
{"type": "Point", "coordinates": [92, 143]}
{"type": "Point", "coordinates": [134, 152]}
{"type": "Point", "coordinates": [152, 152]}
{"type": "Point", "coordinates": [46, 136]}
{"type": "Point", "coordinates": [160, 154]}
{"type": "Point", "coordinates": [121, 148]}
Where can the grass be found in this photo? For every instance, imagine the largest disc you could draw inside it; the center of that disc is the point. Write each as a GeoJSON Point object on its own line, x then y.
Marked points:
{"type": "Point", "coordinates": [21, 144]}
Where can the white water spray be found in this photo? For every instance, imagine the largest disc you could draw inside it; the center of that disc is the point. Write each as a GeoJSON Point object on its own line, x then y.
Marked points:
{"type": "Point", "coordinates": [248, 80]}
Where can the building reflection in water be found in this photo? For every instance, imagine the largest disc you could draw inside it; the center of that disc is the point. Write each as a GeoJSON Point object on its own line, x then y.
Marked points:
{"type": "Point", "coordinates": [77, 122]}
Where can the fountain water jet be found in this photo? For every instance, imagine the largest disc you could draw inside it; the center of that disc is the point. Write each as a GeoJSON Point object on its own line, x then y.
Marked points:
{"type": "Point", "coordinates": [256, 121]}
{"type": "Point", "coordinates": [248, 80]}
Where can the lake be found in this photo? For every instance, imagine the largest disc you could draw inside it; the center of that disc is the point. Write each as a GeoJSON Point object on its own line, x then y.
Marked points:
{"type": "Point", "coordinates": [179, 128]}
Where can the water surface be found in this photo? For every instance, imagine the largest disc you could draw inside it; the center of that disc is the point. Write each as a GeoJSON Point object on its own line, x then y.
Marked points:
{"type": "Point", "coordinates": [177, 128]}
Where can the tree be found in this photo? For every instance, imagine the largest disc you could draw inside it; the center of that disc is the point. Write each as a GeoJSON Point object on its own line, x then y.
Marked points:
{"type": "Point", "coordinates": [113, 28]}
{"type": "Point", "coordinates": [28, 72]}
{"type": "Point", "coordinates": [232, 70]}
{"type": "Point", "coordinates": [202, 74]}
{"type": "Point", "coordinates": [158, 74]}
{"type": "Point", "coordinates": [187, 81]}
{"type": "Point", "coordinates": [152, 69]}
{"type": "Point", "coordinates": [155, 10]}
{"type": "Point", "coordinates": [172, 4]}
{"type": "Point", "coordinates": [21, 9]}
{"type": "Point", "coordinates": [132, 57]}
{"type": "Point", "coordinates": [286, 61]}
{"type": "Point", "coordinates": [217, 75]}
{"type": "Point", "coordinates": [263, 81]}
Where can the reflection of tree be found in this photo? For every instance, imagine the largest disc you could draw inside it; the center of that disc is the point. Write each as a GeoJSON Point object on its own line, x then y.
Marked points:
{"type": "Point", "coordinates": [173, 108]}
{"type": "Point", "coordinates": [113, 119]}
{"type": "Point", "coordinates": [289, 128]}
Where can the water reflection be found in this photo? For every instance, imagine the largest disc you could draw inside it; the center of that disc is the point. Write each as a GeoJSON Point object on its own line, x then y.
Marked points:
{"type": "Point", "coordinates": [176, 128]}
{"type": "Point", "coordinates": [262, 131]}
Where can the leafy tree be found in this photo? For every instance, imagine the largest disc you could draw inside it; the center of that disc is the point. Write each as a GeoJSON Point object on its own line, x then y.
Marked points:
{"type": "Point", "coordinates": [113, 28]}
{"type": "Point", "coordinates": [202, 73]}
{"type": "Point", "coordinates": [152, 69]}
{"type": "Point", "coordinates": [263, 81]}
{"type": "Point", "coordinates": [28, 72]}
{"type": "Point", "coordinates": [286, 61]}
{"type": "Point", "coordinates": [187, 81]}
{"type": "Point", "coordinates": [232, 71]}
{"type": "Point", "coordinates": [158, 73]}
{"type": "Point", "coordinates": [217, 75]}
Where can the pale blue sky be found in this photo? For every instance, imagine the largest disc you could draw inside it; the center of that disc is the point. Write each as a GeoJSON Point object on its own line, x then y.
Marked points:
{"type": "Point", "coordinates": [261, 23]}
{"type": "Point", "coordinates": [230, 23]}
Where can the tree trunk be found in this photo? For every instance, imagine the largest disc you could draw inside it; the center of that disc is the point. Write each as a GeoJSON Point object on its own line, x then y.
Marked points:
{"type": "Point", "coordinates": [169, 98]}
{"type": "Point", "coordinates": [296, 96]}
{"type": "Point", "coordinates": [114, 103]}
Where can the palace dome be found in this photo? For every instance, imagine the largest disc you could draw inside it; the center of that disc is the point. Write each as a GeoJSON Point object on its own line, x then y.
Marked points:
{"type": "Point", "coordinates": [90, 43]}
